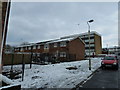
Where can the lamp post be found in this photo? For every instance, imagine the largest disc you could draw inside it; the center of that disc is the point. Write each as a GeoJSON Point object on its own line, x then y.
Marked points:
{"type": "Point", "coordinates": [89, 41]}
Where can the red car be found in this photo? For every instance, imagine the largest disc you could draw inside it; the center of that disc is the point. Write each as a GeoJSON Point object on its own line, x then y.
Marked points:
{"type": "Point", "coordinates": [111, 61]}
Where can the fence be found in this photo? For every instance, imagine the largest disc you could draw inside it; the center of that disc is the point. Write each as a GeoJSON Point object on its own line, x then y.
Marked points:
{"type": "Point", "coordinates": [41, 58]}
{"type": "Point", "coordinates": [9, 59]}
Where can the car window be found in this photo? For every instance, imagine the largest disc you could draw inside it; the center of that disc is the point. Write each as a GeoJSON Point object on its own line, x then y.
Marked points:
{"type": "Point", "coordinates": [109, 58]}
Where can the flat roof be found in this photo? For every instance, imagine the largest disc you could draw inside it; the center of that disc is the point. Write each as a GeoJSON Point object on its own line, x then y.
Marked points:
{"type": "Point", "coordinates": [76, 35]}
{"type": "Point", "coordinates": [65, 38]}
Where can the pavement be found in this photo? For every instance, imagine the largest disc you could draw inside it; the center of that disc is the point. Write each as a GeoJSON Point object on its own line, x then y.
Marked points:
{"type": "Point", "coordinates": [103, 79]}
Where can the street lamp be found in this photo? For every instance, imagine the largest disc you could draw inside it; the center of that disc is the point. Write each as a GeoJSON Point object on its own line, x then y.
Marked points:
{"type": "Point", "coordinates": [89, 41]}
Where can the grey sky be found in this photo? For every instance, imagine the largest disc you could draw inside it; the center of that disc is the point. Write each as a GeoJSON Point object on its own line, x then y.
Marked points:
{"type": "Point", "coordinates": [39, 21]}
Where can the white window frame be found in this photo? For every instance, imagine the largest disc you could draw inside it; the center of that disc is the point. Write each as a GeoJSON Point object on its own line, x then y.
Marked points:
{"type": "Point", "coordinates": [63, 44]}
{"type": "Point", "coordinates": [38, 47]}
{"type": "Point", "coordinates": [92, 35]}
{"type": "Point", "coordinates": [46, 46]}
{"type": "Point", "coordinates": [92, 40]}
{"type": "Point", "coordinates": [86, 36]}
{"type": "Point", "coordinates": [87, 53]}
{"type": "Point", "coordinates": [29, 48]}
{"type": "Point", "coordinates": [34, 47]}
{"type": "Point", "coordinates": [16, 49]}
{"type": "Point", "coordinates": [87, 45]}
{"type": "Point", "coordinates": [91, 50]}
{"type": "Point", "coordinates": [25, 48]}
{"type": "Point", "coordinates": [55, 44]}
{"type": "Point", "coordinates": [86, 40]}
{"type": "Point", "coordinates": [91, 45]}
{"type": "Point", "coordinates": [21, 49]}
{"type": "Point", "coordinates": [62, 54]}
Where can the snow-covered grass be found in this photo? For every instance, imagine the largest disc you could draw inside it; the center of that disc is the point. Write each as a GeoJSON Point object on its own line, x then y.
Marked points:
{"type": "Point", "coordinates": [56, 75]}
{"type": "Point", "coordinates": [5, 79]}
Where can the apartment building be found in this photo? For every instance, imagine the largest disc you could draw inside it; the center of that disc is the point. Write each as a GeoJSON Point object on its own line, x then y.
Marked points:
{"type": "Point", "coordinates": [111, 50]}
{"type": "Point", "coordinates": [72, 48]}
{"type": "Point", "coordinates": [95, 42]}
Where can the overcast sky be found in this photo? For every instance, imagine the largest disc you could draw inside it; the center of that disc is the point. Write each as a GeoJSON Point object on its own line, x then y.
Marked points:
{"type": "Point", "coordinates": [39, 21]}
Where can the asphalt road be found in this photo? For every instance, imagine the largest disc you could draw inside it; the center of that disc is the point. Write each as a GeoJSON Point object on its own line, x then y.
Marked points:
{"type": "Point", "coordinates": [107, 78]}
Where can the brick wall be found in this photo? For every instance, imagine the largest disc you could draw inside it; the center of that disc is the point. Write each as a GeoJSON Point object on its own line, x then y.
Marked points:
{"type": "Point", "coordinates": [98, 44]}
{"type": "Point", "coordinates": [78, 48]}
{"type": "Point", "coordinates": [74, 49]}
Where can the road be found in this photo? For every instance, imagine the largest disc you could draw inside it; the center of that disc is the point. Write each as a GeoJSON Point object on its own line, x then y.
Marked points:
{"type": "Point", "coordinates": [107, 78]}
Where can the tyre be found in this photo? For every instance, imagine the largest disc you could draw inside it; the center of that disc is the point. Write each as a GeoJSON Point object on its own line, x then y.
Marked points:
{"type": "Point", "coordinates": [116, 68]}
{"type": "Point", "coordinates": [102, 67]}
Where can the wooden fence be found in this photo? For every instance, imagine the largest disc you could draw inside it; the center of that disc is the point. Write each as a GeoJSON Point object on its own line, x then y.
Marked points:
{"type": "Point", "coordinates": [9, 59]}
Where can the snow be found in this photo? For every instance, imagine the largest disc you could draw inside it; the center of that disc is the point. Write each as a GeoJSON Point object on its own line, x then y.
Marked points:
{"type": "Point", "coordinates": [61, 40]}
{"type": "Point", "coordinates": [86, 33]}
{"type": "Point", "coordinates": [5, 79]}
{"type": "Point", "coordinates": [6, 87]}
{"type": "Point", "coordinates": [56, 75]}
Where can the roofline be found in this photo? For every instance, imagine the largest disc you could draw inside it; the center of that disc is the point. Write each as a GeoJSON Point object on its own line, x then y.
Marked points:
{"type": "Point", "coordinates": [79, 38]}
{"type": "Point", "coordinates": [76, 35]}
{"type": "Point", "coordinates": [61, 41]}
{"type": "Point", "coordinates": [82, 41]}
{"type": "Point", "coordinates": [48, 42]}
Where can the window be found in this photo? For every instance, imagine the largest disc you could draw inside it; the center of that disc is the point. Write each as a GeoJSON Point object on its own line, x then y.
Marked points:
{"type": "Point", "coordinates": [87, 53]}
{"type": "Point", "coordinates": [16, 49]}
{"type": "Point", "coordinates": [46, 46]}
{"type": "Point", "coordinates": [29, 48]}
{"type": "Point", "coordinates": [34, 47]}
{"type": "Point", "coordinates": [62, 54]}
{"type": "Point", "coordinates": [81, 36]}
{"type": "Point", "coordinates": [86, 40]}
{"type": "Point", "coordinates": [91, 50]}
{"type": "Point", "coordinates": [21, 49]}
{"type": "Point", "coordinates": [39, 47]}
{"type": "Point", "coordinates": [25, 48]}
{"type": "Point", "coordinates": [91, 40]}
{"type": "Point", "coordinates": [62, 44]}
{"type": "Point", "coordinates": [86, 36]}
{"type": "Point", "coordinates": [87, 45]}
{"type": "Point", "coordinates": [92, 35]}
{"type": "Point", "coordinates": [91, 45]}
{"type": "Point", "coordinates": [55, 44]}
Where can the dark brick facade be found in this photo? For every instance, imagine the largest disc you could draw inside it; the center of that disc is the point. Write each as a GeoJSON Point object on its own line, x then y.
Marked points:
{"type": "Point", "coordinates": [72, 49]}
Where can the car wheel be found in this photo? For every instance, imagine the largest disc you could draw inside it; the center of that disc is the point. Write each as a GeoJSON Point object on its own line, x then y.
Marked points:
{"type": "Point", "coordinates": [116, 67]}
{"type": "Point", "coordinates": [102, 67]}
